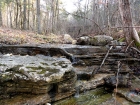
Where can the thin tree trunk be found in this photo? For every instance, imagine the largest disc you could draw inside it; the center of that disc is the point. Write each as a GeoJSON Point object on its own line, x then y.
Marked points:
{"type": "Point", "coordinates": [1, 22]}
{"type": "Point", "coordinates": [28, 14]}
{"type": "Point", "coordinates": [10, 10]}
{"type": "Point", "coordinates": [33, 17]}
{"type": "Point", "coordinates": [16, 19]}
{"type": "Point", "coordinates": [52, 16]}
{"type": "Point", "coordinates": [7, 16]}
{"type": "Point", "coordinates": [24, 15]}
{"type": "Point", "coordinates": [38, 17]}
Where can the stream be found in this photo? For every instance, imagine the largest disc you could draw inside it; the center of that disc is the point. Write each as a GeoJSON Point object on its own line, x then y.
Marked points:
{"type": "Point", "coordinates": [28, 76]}
{"type": "Point", "coordinates": [98, 96]}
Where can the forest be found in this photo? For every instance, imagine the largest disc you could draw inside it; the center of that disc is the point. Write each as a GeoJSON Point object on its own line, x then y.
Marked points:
{"type": "Point", "coordinates": [69, 52]}
{"type": "Point", "coordinates": [91, 17]}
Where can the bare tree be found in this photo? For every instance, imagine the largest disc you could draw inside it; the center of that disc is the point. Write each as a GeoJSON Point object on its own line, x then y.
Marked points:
{"type": "Point", "coordinates": [128, 26]}
{"type": "Point", "coordinates": [38, 17]}
{"type": "Point", "coordinates": [28, 22]}
{"type": "Point", "coordinates": [1, 22]}
{"type": "Point", "coordinates": [24, 14]}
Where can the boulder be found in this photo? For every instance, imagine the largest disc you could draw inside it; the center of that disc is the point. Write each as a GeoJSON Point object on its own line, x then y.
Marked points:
{"type": "Point", "coordinates": [35, 75]}
{"type": "Point", "coordinates": [97, 80]}
{"type": "Point", "coordinates": [99, 40]}
{"type": "Point", "coordinates": [68, 39]}
{"type": "Point", "coordinates": [122, 80]}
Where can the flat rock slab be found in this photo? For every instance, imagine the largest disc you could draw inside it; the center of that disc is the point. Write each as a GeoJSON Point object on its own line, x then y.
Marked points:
{"type": "Point", "coordinates": [34, 74]}
{"type": "Point", "coordinates": [34, 68]}
{"type": "Point", "coordinates": [131, 96]}
{"type": "Point", "coordinates": [97, 80]}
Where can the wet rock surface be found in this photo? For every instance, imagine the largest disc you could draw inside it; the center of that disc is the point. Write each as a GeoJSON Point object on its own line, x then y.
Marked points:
{"type": "Point", "coordinates": [97, 80]}
{"type": "Point", "coordinates": [92, 97]}
{"type": "Point", "coordinates": [84, 61]}
{"type": "Point", "coordinates": [132, 96]}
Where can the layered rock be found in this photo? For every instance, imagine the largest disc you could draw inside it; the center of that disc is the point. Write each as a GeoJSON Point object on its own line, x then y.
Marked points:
{"type": "Point", "coordinates": [85, 60]}
{"type": "Point", "coordinates": [35, 75]}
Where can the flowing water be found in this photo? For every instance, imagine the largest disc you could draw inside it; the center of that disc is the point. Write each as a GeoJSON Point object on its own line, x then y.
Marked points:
{"type": "Point", "coordinates": [98, 96]}
{"type": "Point", "coordinates": [92, 97]}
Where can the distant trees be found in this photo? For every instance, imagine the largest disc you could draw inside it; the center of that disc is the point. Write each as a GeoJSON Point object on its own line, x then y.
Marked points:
{"type": "Point", "coordinates": [49, 16]}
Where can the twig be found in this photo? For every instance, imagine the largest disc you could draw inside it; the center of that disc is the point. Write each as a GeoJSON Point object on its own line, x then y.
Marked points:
{"type": "Point", "coordinates": [128, 46]}
{"type": "Point", "coordinates": [94, 72]}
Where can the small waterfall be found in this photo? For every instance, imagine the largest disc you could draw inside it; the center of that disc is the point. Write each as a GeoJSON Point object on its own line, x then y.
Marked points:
{"type": "Point", "coordinates": [77, 92]}
{"type": "Point", "coordinates": [77, 89]}
{"type": "Point", "coordinates": [74, 60]}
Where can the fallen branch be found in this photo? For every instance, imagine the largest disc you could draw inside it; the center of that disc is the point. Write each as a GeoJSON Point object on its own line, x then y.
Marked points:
{"type": "Point", "coordinates": [128, 46]}
{"type": "Point", "coordinates": [136, 49]}
{"type": "Point", "coordinates": [95, 71]}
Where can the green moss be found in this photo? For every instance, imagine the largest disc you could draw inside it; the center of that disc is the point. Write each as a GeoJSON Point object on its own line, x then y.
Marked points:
{"type": "Point", "coordinates": [139, 33]}
{"type": "Point", "coordinates": [2, 65]}
{"type": "Point", "coordinates": [93, 41]}
{"type": "Point", "coordinates": [93, 97]}
{"type": "Point", "coordinates": [44, 63]}
{"type": "Point", "coordinates": [121, 39]}
{"type": "Point", "coordinates": [35, 68]}
{"type": "Point", "coordinates": [54, 64]}
{"type": "Point", "coordinates": [42, 70]}
{"type": "Point", "coordinates": [137, 44]}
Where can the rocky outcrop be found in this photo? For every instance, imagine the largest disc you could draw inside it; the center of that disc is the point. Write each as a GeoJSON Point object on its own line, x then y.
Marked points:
{"type": "Point", "coordinates": [35, 75]}
{"type": "Point", "coordinates": [61, 82]}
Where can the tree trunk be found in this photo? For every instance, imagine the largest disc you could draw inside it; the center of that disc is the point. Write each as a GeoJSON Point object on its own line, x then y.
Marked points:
{"type": "Point", "coordinates": [24, 15]}
{"type": "Point", "coordinates": [28, 14]}
{"type": "Point", "coordinates": [7, 15]}
{"type": "Point", "coordinates": [129, 32]}
{"type": "Point", "coordinates": [1, 23]}
{"type": "Point", "coordinates": [17, 10]}
{"type": "Point", "coordinates": [38, 18]}
{"type": "Point", "coordinates": [10, 11]}
{"type": "Point", "coordinates": [52, 16]}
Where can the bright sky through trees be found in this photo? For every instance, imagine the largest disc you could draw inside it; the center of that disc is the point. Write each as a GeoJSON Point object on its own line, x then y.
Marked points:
{"type": "Point", "coordinates": [70, 6]}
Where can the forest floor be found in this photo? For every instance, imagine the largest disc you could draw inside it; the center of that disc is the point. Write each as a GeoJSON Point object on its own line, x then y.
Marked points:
{"type": "Point", "coordinates": [13, 36]}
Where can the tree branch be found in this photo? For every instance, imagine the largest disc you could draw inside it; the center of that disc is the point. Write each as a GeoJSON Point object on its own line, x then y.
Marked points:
{"type": "Point", "coordinates": [87, 19]}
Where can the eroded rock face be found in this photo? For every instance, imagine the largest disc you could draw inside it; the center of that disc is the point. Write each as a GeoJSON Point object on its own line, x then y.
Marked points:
{"type": "Point", "coordinates": [35, 75]}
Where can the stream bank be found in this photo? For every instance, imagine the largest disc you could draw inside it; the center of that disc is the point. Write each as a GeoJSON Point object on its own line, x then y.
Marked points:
{"type": "Point", "coordinates": [66, 68]}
